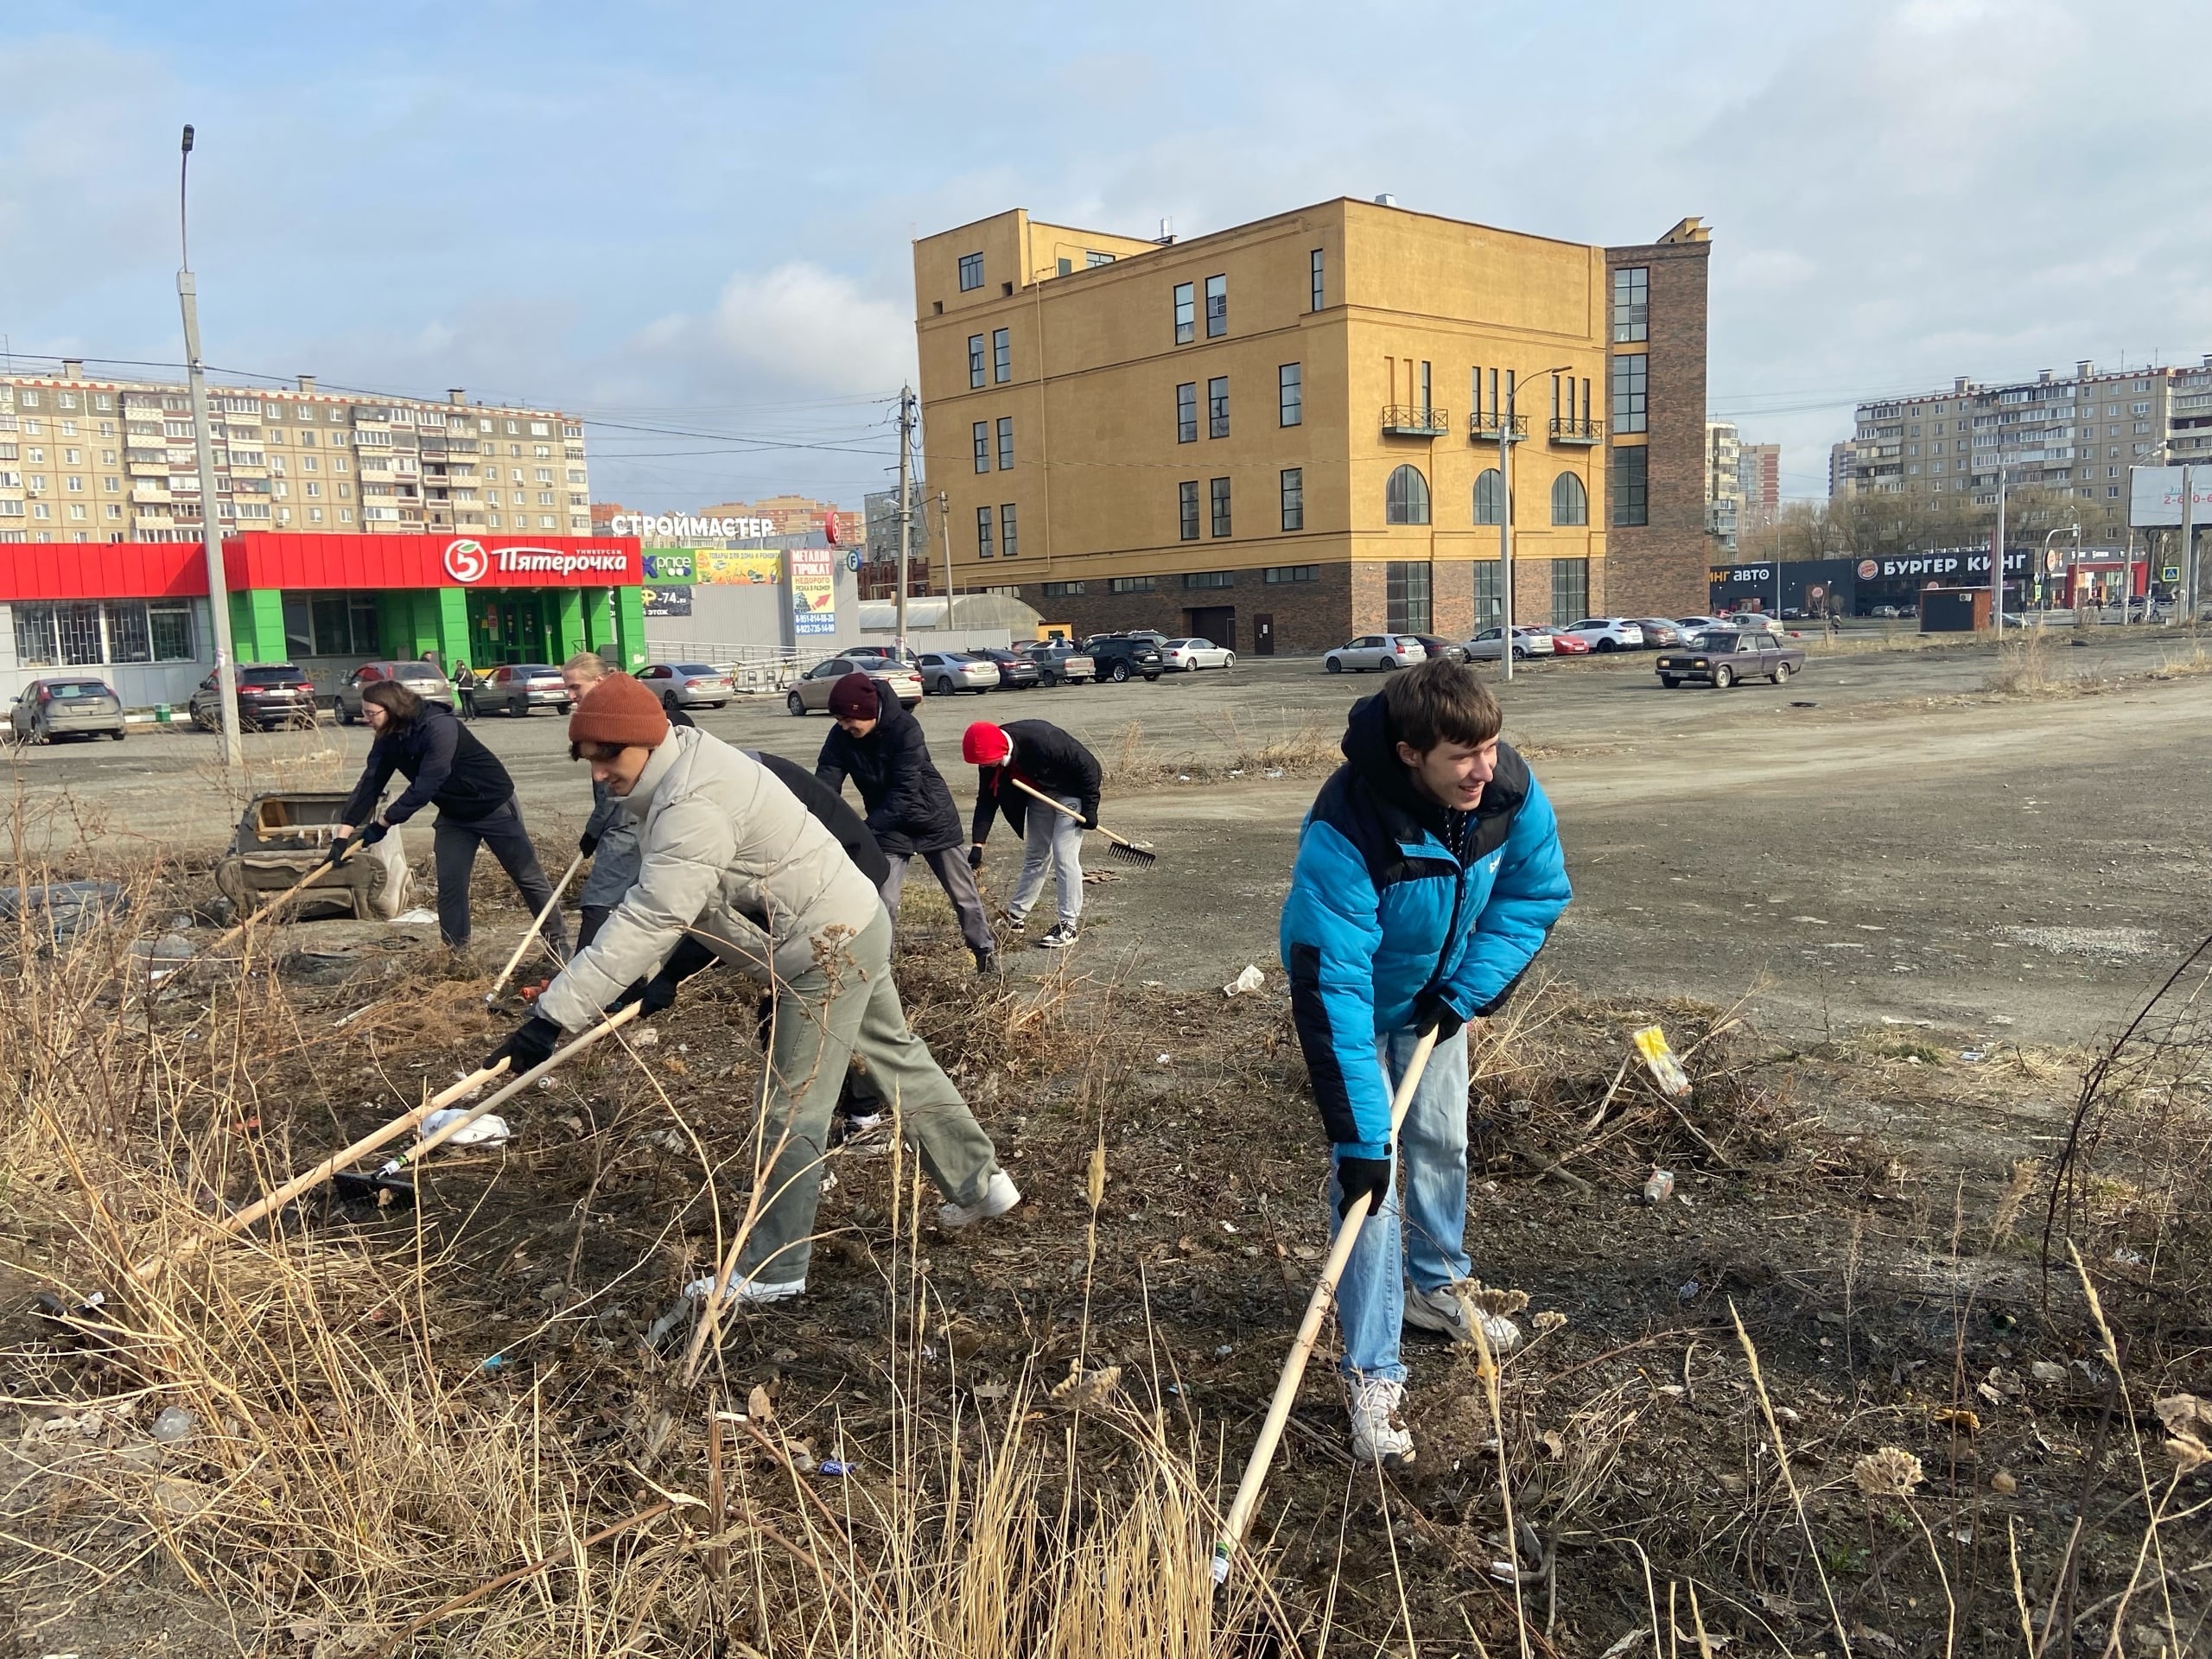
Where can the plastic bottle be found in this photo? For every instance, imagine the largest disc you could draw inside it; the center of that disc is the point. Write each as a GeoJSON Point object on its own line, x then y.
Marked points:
{"type": "Point", "coordinates": [1660, 1187]}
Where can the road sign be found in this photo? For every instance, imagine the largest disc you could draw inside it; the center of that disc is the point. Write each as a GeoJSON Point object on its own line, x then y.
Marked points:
{"type": "Point", "coordinates": [2171, 573]}
{"type": "Point", "coordinates": [853, 559]}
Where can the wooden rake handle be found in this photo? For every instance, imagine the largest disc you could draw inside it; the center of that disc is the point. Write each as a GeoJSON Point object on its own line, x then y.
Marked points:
{"type": "Point", "coordinates": [1309, 1332]}
{"type": "Point", "coordinates": [290, 892]}
{"type": "Point", "coordinates": [536, 927]}
{"type": "Point", "coordinates": [1066, 811]}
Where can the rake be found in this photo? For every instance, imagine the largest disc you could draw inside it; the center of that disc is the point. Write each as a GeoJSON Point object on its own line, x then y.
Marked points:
{"type": "Point", "coordinates": [1121, 850]}
{"type": "Point", "coordinates": [290, 892]}
{"type": "Point", "coordinates": [491, 996]}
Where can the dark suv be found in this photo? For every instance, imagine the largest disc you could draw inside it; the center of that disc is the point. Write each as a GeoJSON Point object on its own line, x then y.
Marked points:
{"type": "Point", "coordinates": [269, 694]}
{"type": "Point", "coordinates": [1119, 656]}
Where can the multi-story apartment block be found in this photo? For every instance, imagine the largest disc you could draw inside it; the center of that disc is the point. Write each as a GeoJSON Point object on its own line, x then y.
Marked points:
{"type": "Point", "coordinates": [2077, 435]}
{"type": "Point", "coordinates": [84, 460]}
{"type": "Point", "coordinates": [1289, 431]}
{"type": "Point", "coordinates": [1723, 484]}
{"type": "Point", "coordinates": [1758, 481]}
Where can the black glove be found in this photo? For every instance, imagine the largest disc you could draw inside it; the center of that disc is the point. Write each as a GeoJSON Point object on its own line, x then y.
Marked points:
{"type": "Point", "coordinates": [1362, 1178]}
{"type": "Point", "coordinates": [1091, 819]}
{"type": "Point", "coordinates": [530, 1044]}
{"type": "Point", "coordinates": [656, 994]}
{"type": "Point", "coordinates": [372, 833]}
{"type": "Point", "coordinates": [340, 846]}
{"type": "Point", "coordinates": [975, 856]}
{"type": "Point", "coordinates": [586, 843]}
{"type": "Point", "coordinates": [1431, 1009]}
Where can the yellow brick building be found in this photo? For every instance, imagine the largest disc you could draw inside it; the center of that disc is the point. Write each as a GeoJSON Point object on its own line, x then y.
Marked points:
{"type": "Point", "coordinates": [1278, 435]}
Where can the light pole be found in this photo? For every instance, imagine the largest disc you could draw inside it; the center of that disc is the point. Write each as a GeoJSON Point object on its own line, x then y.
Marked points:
{"type": "Point", "coordinates": [218, 597]}
{"type": "Point", "coordinates": [1506, 441]}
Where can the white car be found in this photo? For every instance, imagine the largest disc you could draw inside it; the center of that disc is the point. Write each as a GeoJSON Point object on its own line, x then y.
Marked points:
{"type": "Point", "coordinates": [948, 673]}
{"type": "Point", "coordinates": [1609, 633]}
{"type": "Point", "coordinates": [1484, 647]}
{"type": "Point", "coordinates": [1690, 625]}
{"type": "Point", "coordinates": [1380, 651]}
{"type": "Point", "coordinates": [1188, 656]}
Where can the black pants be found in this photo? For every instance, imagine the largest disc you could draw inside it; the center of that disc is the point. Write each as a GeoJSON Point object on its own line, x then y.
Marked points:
{"type": "Point", "coordinates": [595, 918]}
{"type": "Point", "coordinates": [456, 843]}
{"type": "Point", "coordinates": [467, 704]}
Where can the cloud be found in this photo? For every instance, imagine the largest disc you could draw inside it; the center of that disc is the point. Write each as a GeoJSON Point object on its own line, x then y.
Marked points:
{"type": "Point", "coordinates": [795, 328]}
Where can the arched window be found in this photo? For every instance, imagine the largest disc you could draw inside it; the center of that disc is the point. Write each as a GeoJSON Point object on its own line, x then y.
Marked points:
{"type": "Point", "coordinates": [1405, 499]}
{"type": "Point", "coordinates": [1570, 501]}
{"type": "Point", "coordinates": [1490, 497]}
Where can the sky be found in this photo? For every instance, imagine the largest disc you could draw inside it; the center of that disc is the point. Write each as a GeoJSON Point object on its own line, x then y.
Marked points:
{"type": "Point", "coordinates": [690, 224]}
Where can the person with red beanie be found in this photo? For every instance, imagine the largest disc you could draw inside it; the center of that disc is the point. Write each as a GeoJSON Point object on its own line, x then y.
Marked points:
{"type": "Point", "coordinates": [735, 868]}
{"type": "Point", "coordinates": [1041, 755]}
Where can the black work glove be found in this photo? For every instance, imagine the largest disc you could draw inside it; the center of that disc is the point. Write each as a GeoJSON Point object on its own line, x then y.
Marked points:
{"type": "Point", "coordinates": [340, 846]}
{"type": "Point", "coordinates": [1431, 1009]}
{"type": "Point", "coordinates": [371, 834]}
{"type": "Point", "coordinates": [1091, 819]}
{"type": "Point", "coordinates": [586, 843]}
{"type": "Point", "coordinates": [975, 856]}
{"type": "Point", "coordinates": [530, 1044]}
{"type": "Point", "coordinates": [656, 994]}
{"type": "Point", "coordinates": [1362, 1178]}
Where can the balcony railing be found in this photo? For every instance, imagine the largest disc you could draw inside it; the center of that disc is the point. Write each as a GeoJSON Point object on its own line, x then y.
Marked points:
{"type": "Point", "coordinates": [1577, 431]}
{"type": "Point", "coordinates": [1412, 421]}
{"type": "Point", "coordinates": [1484, 425]}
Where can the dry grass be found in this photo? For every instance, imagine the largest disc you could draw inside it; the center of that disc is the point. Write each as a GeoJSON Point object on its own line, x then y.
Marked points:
{"type": "Point", "coordinates": [1227, 748]}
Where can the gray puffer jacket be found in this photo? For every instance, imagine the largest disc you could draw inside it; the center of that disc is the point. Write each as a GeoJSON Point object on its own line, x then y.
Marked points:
{"type": "Point", "coordinates": [729, 852]}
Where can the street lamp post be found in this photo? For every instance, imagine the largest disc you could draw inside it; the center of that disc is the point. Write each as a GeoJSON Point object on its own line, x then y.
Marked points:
{"type": "Point", "coordinates": [1505, 512]}
{"type": "Point", "coordinates": [218, 598]}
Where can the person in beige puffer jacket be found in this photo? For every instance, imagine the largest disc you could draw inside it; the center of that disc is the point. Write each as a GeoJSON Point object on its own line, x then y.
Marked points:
{"type": "Point", "coordinates": [734, 867]}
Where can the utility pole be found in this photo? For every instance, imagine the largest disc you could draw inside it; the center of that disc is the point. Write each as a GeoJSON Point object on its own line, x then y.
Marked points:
{"type": "Point", "coordinates": [945, 521]}
{"type": "Point", "coordinates": [1996, 562]}
{"type": "Point", "coordinates": [218, 597]}
{"type": "Point", "coordinates": [906, 504]}
{"type": "Point", "coordinates": [2189, 540]}
{"type": "Point", "coordinates": [1505, 440]}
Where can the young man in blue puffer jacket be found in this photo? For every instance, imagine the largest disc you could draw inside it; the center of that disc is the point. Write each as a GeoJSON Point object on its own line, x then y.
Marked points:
{"type": "Point", "coordinates": [1428, 876]}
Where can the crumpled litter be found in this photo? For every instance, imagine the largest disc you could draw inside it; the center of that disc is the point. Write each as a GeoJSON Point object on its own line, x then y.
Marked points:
{"type": "Point", "coordinates": [489, 1130]}
{"type": "Point", "coordinates": [1250, 980]}
{"type": "Point", "coordinates": [414, 917]}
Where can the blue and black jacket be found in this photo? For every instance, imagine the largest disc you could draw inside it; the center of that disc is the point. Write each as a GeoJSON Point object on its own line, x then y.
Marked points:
{"type": "Point", "coordinates": [1394, 895]}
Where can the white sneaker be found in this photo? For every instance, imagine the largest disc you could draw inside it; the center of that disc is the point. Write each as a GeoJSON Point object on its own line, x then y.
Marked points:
{"type": "Point", "coordinates": [1442, 1312]}
{"type": "Point", "coordinates": [1001, 1196]}
{"type": "Point", "coordinates": [1378, 1436]}
{"type": "Point", "coordinates": [1059, 937]}
{"type": "Point", "coordinates": [746, 1292]}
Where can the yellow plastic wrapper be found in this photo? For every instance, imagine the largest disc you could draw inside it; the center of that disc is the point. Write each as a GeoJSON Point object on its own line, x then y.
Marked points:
{"type": "Point", "coordinates": [1659, 1060]}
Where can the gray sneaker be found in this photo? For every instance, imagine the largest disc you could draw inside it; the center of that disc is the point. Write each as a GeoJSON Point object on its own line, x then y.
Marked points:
{"type": "Point", "coordinates": [1442, 1312]}
{"type": "Point", "coordinates": [1378, 1436]}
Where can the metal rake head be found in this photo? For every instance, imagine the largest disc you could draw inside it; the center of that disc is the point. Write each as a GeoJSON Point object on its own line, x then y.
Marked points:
{"type": "Point", "coordinates": [1135, 857]}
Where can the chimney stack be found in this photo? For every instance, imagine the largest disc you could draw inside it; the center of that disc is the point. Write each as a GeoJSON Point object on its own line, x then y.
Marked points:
{"type": "Point", "coordinates": [306, 385]}
{"type": "Point", "coordinates": [2084, 369]}
{"type": "Point", "coordinates": [456, 395]}
{"type": "Point", "coordinates": [72, 368]}
{"type": "Point", "coordinates": [2043, 377]}
{"type": "Point", "coordinates": [1960, 384]}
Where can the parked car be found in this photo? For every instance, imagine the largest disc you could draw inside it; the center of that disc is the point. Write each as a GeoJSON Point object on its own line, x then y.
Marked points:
{"type": "Point", "coordinates": [1690, 625]}
{"type": "Point", "coordinates": [1121, 657]}
{"type": "Point", "coordinates": [1450, 650]}
{"type": "Point", "coordinates": [1157, 640]}
{"type": "Point", "coordinates": [1720, 657]}
{"type": "Point", "coordinates": [425, 680]}
{"type": "Point", "coordinates": [1609, 633]}
{"type": "Point", "coordinates": [1188, 656]}
{"type": "Point", "coordinates": [74, 707]}
{"type": "Point", "coordinates": [1376, 651]}
{"type": "Point", "coordinates": [1658, 633]}
{"type": "Point", "coordinates": [948, 673]}
{"type": "Point", "coordinates": [1016, 672]}
{"type": "Point", "coordinates": [1488, 645]}
{"type": "Point", "coordinates": [519, 687]}
{"type": "Point", "coordinates": [688, 685]}
{"type": "Point", "coordinates": [889, 653]}
{"type": "Point", "coordinates": [1565, 644]}
{"type": "Point", "coordinates": [269, 694]}
{"type": "Point", "coordinates": [1059, 663]}
{"type": "Point", "coordinates": [812, 693]}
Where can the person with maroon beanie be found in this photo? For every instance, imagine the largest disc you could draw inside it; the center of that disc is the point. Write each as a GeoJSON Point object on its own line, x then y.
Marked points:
{"type": "Point", "coordinates": [882, 748]}
{"type": "Point", "coordinates": [1041, 755]}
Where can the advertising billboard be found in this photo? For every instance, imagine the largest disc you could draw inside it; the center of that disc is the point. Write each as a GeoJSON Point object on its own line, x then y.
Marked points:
{"type": "Point", "coordinates": [665, 600]}
{"type": "Point", "coordinates": [2154, 495]}
{"type": "Point", "coordinates": [741, 569]}
{"type": "Point", "coordinates": [814, 597]}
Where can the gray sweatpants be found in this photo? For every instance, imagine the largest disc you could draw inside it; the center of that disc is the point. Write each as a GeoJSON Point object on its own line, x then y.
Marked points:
{"type": "Point", "coordinates": [823, 1019]}
{"type": "Point", "coordinates": [949, 864]}
{"type": "Point", "coordinates": [1052, 842]}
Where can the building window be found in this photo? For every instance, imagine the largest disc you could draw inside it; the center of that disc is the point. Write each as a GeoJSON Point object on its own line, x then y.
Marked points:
{"type": "Point", "coordinates": [1186, 496]}
{"type": "Point", "coordinates": [1064, 590]}
{"type": "Point", "coordinates": [1405, 498]}
{"type": "Point", "coordinates": [1065, 267]}
{"type": "Point", "coordinates": [1490, 497]}
{"type": "Point", "coordinates": [1570, 591]}
{"type": "Point", "coordinates": [1290, 394]}
{"type": "Point", "coordinates": [1186, 412]}
{"type": "Point", "coordinates": [1632, 487]}
{"type": "Point", "coordinates": [982, 532]}
{"type": "Point", "coordinates": [971, 272]}
{"type": "Point", "coordinates": [1630, 407]}
{"type": "Point", "coordinates": [1006, 443]}
{"type": "Point", "coordinates": [1318, 265]}
{"type": "Point", "coordinates": [974, 361]}
{"type": "Point", "coordinates": [1217, 306]}
{"type": "Point", "coordinates": [981, 432]}
{"type": "Point", "coordinates": [1406, 595]}
{"type": "Point", "coordinates": [1001, 355]}
{"type": "Point", "coordinates": [1276, 573]}
{"type": "Point", "coordinates": [1631, 304]}
{"type": "Point", "coordinates": [1186, 314]}
{"type": "Point", "coordinates": [1570, 502]}
{"type": "Point", "coordinates": [1092, 260]}
{"type": "Point", "coordinates": [1490, 595]}
{"type": "Point", "coordinates": [1293, 498]}
{"type": "Point", "coordinates": [1129, 585]}
{"type": "Point", "coordinates": [1009, 542]}
{"type": "Point", "coordinates": [1220, 496]}
{"type": "Point", "coordinates": [1210, 579]}
{"type": "Point", "coordinates": [1217, 406]}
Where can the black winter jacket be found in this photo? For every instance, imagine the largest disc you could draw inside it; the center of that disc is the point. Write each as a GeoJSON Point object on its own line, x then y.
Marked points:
{"type": "Point", "coordinates": [829, 810]}
{"type": "Point", "coordinates": [446, 766]}
{"type": "Point", "coordinates": [1048, 759]}
{"type": "Point", "coordinates": [909, 804]}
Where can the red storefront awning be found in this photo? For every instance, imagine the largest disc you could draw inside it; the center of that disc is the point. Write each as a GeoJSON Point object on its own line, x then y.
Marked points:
{"type": "Point", "coordinates": [63, 570]}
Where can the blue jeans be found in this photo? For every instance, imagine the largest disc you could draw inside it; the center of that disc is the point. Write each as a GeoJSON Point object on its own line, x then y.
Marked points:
{"type": "Point", "coordinates": [1428, 1242]}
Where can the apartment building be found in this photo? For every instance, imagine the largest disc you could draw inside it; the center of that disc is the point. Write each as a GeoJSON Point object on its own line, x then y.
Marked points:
{"type": "Point", "coordinates": [1290, 431]}
{"type": "Point", "coordinates": [1723, 484]}
{"type": "Point", "coordinates": [1758, 478]}
{"type": "Point", "coordinates": [2076, 434]}
{"type": "Point", "coordinates": [90, 459]}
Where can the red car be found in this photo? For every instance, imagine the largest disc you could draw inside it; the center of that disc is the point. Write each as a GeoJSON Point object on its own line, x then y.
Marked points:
{"type": "Point", "coordinates": [1567, 645]}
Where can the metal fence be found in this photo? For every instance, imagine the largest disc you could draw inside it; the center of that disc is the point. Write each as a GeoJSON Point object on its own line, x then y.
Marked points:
{"type": "Point", "coordinates": [761, 670]}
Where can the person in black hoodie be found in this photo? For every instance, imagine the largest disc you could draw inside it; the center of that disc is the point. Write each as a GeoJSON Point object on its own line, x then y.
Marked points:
{"type": "Point", "coordinates": [446, 768]}
{"type": "Point", "coordinates": [882, 748]}
{"type": "Point", "coordinates": [1038, 753]}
